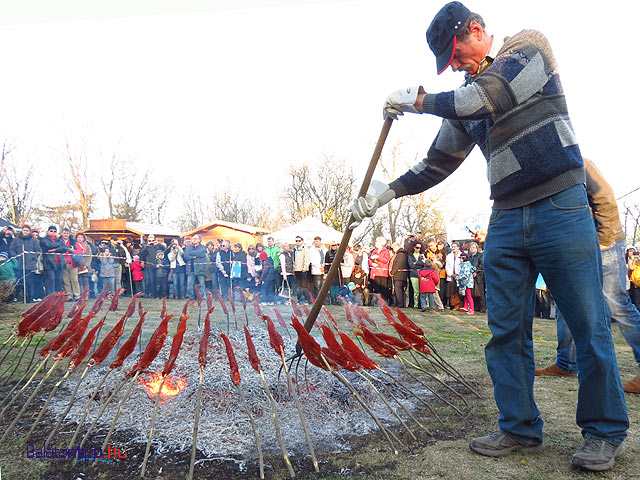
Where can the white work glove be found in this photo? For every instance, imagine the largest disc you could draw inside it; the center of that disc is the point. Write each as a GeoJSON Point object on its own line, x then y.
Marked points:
{"type": "Point", "coordinates": [378, 194]}
{"type": "Point", "coordinates": [401, 101]}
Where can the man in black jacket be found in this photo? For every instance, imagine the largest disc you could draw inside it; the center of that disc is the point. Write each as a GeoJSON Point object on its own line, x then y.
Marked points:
{"type": "Point", "coordinates": [52, 260]}
{"type": "Point", "coordinates": [148, 258]}
{"type": "Point", "coordinates": [25, 242]}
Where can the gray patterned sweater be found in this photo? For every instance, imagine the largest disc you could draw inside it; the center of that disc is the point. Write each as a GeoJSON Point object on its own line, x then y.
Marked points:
{"type": "Point", "coordinates": [515, 111]}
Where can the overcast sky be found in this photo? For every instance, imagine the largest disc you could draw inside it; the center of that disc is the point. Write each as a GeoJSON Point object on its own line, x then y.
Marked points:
{"type": "Point", "coordinates": [218, 93]}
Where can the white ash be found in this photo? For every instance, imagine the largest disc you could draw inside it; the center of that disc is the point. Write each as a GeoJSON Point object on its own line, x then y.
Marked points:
{"type": "Point", "coordinates": [331, 411]}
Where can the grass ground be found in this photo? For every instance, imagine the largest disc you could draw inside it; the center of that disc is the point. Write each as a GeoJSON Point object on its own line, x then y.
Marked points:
{"type": "Point", "coordinates": [443, 455]}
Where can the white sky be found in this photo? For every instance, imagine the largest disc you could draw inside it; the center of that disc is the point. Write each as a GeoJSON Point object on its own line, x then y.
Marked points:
{"type": "Point", "coordinates": [232, 92]}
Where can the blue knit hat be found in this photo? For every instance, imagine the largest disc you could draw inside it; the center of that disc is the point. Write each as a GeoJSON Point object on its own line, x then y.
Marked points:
{"type": "Point", "coordinates": [441, 34]}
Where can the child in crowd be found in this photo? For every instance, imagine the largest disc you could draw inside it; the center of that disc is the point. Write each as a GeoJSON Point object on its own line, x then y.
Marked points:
{"type": "Point", "coordinates": [465, 283]}
{"type": "Point", "coordinates": [428, 279]}
{"type": "Point", "coordinates": [107, 270]}
{"type": "Point", "coordinates": [346, 292]}
{"type": "Point", "coordinates": [267, 279]}
{"type": "Point", "coordinates": [137, 274]}
{"type": "Point", "coordinates": [361, 292]}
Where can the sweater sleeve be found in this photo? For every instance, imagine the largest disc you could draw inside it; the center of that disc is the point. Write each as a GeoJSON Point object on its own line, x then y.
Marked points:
{"type": "Point", "coordinates": [603, 205]}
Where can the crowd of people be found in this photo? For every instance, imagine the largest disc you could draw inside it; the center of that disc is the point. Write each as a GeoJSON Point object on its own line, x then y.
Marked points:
{"type": "Point", "coordinates": [425, 274]}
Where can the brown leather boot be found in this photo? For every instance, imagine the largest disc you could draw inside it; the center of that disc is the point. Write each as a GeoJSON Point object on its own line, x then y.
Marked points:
{"type": "Point", "coordinates": [554, 371]}
{"type": "Point", "coordinates": [632, 386]}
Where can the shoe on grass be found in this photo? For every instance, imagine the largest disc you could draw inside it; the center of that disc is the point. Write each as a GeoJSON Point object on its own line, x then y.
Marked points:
{"type": "Point", "coordinates": [596, 455]}
{"type": "Point", "coordinates": [632, 386]}
{"type": "Point", "coordinates": [554, 371]}
{"type": "Point", "coordinates": [499, 444]}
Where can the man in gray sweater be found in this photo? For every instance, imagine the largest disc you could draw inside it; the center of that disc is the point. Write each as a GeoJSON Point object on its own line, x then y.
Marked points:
{"type": "Point", "coordinates": [512, 106]}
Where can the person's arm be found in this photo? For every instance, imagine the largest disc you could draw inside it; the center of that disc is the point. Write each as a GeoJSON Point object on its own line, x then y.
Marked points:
{"type": "Point", "coordinates": [603, 206]}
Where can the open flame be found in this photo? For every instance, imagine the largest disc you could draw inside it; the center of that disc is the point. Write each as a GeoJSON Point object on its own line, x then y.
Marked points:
{"type": "Point", "coordinates": [170, 388]}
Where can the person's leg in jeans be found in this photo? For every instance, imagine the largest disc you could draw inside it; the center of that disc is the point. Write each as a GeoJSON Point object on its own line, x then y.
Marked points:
{"type": "Point", "coordinates": [520, 243]}
{"type": "Point", "coordinates": [431, 297]}
{"type": "Point", "coordinates": [422, 300]}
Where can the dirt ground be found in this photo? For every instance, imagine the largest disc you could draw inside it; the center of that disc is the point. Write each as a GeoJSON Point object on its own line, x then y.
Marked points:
{"type": "Point", "coordinates": [443, 455]}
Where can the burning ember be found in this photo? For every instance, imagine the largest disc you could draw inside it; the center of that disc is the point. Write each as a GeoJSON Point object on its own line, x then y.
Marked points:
{"type": "Point", "coordinates": [171, 387]}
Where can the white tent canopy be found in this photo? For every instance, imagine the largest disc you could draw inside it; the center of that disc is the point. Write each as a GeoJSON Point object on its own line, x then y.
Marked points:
{"type": "Point", "coordinates": [307, 228]}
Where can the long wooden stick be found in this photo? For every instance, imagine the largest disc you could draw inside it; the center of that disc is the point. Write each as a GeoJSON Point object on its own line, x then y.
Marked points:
{"type": "Point", "coordinates": [66, 411]}
{"type": "Point", "coordinates": [26, 404]}
{"type": "Point", "coordinates": [274, 414]}
{"type": "Point", "coordinates": [86, 408]}
{"type": "Point", "coordinates": [16, 362]}
{"type": "Point", "coordinates": [115, 419]}
{"type": "Point", "coordinates": [153, 422]}
{"type": "Point", "coordinates": [317, 305]}
{"type": "Point", "coordinates": [44, 408]}
{"type": "Point", "coordinates": [16, 396]}
{"type": "Point", "coordinates": [195, 427]}
{"type": "Point", "coordinates": [102, 409]}
{"type": "Point", "coordinates": [303, 420]}
{"type": "Point", "coordinates": [255, 430]}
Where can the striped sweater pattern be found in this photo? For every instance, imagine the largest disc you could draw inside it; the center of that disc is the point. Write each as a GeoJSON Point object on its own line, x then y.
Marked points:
{"type": "Point", "coordinates": [515, 111]}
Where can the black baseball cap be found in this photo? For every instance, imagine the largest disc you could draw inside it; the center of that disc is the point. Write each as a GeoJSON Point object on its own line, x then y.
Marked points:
{"type": "Point", "coordinates": [441, 34]}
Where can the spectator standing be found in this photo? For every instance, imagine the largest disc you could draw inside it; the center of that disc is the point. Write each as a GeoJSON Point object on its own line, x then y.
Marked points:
{"type": "Point", "coordinates": [442, 252]}
{"type": "Point", "coordinates": [399, 272]}
{"type": "Point", "coordinates": [137, 275]}
{"type": "Point", "coordinates": [379, 269]}
{"type": "Point", "coordinates": [477, 260]}
{"type": "Point", "coordinates": [197, 254]}
{"type": "Point", "coordinates": [415, 262]}
{"type": "Point", "coordinates": [52, 260]}
{"type": "Point", "coordinates": [239, 272]}
{"type": "Point", "coordinates": [148, 259]}
{"type": "Point", "coordinates": [287, 268]}
{"type": "Point", "coordinates": [119, 261]}
{"type": "Point", "coordinates": [38, 283]}
{"type": "Point", "coordinates": [316, 264]}
{"type": "Point", "coordinates": [26, 242]}
{"type": "Point", "coordinates": [82, 253]}
{"type": "Point", "coordinates": [452, 267]}
{"type": "Point", "coordinates": [6, 238]}
{"type": "Point", "coordinates": [428, 280]}
{"type": "Point", "coordinates": [267, 279]}
{"type": "Point", "coordinates": [301, 262]}
{"type": "Point", "coordinates": [211, 273]}
{"type": "Point", "coordinates": [107, 272]}
{"type": "Point", "coordinates": [337, 279]}
{"type": "Point", "coordinates": [223, 262]}
{"type": "Point", "coordinates": [252, 262]}
{"type": "Point", "coordinates": [177, 270]}
{"type": "Point", "coordinates": [70, 270]}
{"type": "Point", "coordinates": [162, 272]}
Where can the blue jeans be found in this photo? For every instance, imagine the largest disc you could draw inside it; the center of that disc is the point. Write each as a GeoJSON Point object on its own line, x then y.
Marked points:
{"type": "Point", "coordinates": [191, 286]}
{"type": "Point", "coordinates": [556, 237]}
{"type": "Point", "coordinates": [423, 299]}
{"type": "Point", "coordinates": [150, 281]}
{"type": "Point", "coordinates": [622, 310]}
{"type": "Point", "coordinates": [179, 284]}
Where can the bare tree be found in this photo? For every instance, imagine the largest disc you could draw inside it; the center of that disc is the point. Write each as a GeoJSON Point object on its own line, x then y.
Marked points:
{"type": "Point", "coordinates": [79, 182]}
{"type": "Point", "coordinates": [68, 215]}
{"type": "Point", "coordinates": [323, 190]}
{"type": "Point", "coordinates": [17, 188]}
{"type": "Point", "coordinates": [195, 212]}
{"type": "Point", "coordinates": [109, 180]}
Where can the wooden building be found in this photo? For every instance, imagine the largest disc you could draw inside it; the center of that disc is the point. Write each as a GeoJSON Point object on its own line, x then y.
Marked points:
{"type": "Point", "coordinates": [110, 227]}
{"type": "Point", "coordinates": [234, 232]}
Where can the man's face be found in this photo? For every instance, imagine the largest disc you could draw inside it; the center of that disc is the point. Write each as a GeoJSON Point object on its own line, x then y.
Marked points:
{"type": "Point", "coordinates": [195, 240]}
{"type": "Point", "coordinates": [432, 246]}
{"type": "Point", "coordinates": [317, 242]}
{"type": "Point", "coordinates": [454, 247]}
{"type": "Point", "coordinates": [235, 249]}
{"type": "Point", "coordinates": [225, 247]}
{"type": "Point", "coordinates": [473, 249]}
{"type": "Point", "coordinates": [8, 233]}
{"type": "Point", "coordinates": [187, 242]}
{"type": "Point", "coordinates": [26, 231]}
{"type": "Point", "coordinates": [65, 235]}
{"type": "Point", "coordinates": [270, 242]}
{"type": "Point", "coordinates": [152, 239]}
{"type": "Point", "coordinates": [468, 54]}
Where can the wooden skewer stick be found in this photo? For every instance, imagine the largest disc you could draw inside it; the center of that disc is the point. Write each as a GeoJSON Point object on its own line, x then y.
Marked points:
{"type": "Point", "coordinates": [16, 396]}
{"type": "Point", "coordinates": [66, 411]}
{"type": "Point", "coordinates": [115, 419]}
{"type": "Point", "coordinates": [26, 404]}
{"type": "Point", "coordinates": [153, 422]}
{"type": "Point", "coordinates": [86, 408]}
{"type": "Point", "coordinates": [102, 409]}
{"type": "Point", "coordinates": [255, 430]}
{"type": "Point", "coordinates": [300, 412]}
{"type": "Point", "coordinates": [195, 427]}
{"type": "Point", "coordinates": [274, 413]}
{"type": "Point", "coordinates": [16, 361]}
{"type": "Point", "coordinates": [44, 408]}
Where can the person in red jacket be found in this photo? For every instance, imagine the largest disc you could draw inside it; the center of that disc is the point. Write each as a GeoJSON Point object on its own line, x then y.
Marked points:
{"type": "Point", "coordinates": [379, 269]}
{"type": "Point", "coordinates": [428, 279]}
{"type": "Point", "coordinates": [137, 274]}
